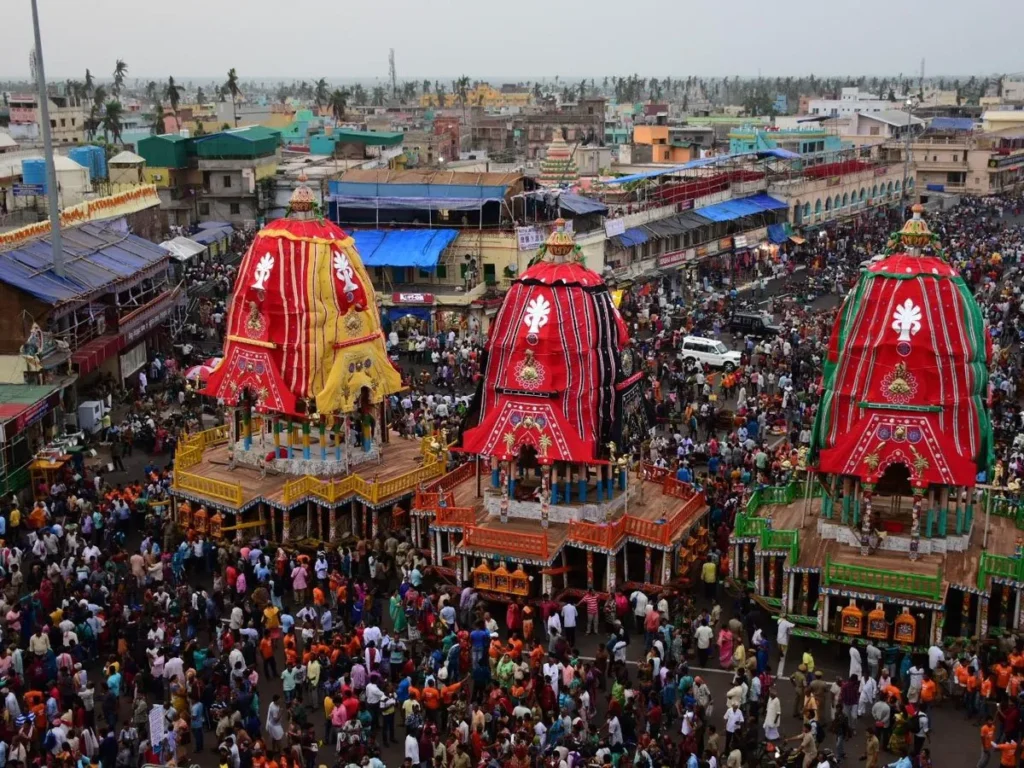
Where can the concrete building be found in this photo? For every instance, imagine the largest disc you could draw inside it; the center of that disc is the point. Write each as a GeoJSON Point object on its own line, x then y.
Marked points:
{"type": "Point", "coordinates": [126, 168]}
{"type": "Point", "coordinates": [666, 145]}
{"type": "Point", "coordinates": [838, 190]}
{"type": "Point", "coordinates": [580, 122]}
{"type": "Point", "coordinates": [591, 160]}
{"type": "Point", "coordinates": [67, 118]}
{"type": "Point", "coordinates": [851, 101]}
{"type": "Point", "coordinates": [1002, 118]}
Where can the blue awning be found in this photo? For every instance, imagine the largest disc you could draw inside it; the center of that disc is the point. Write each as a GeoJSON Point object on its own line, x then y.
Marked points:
{"type": "Point", "coordinates": [744, 206]}
{"type": "Point", "coordinates": [402, 247]}
{"type": "Point", "coordinates": [580, 205]}
{"type": "Point", "coordinates": [632, 236]}
{"type": "Point", "coordinates": [96, 256]}
{"type": "Point", "coordinates": [777, 233]}
{"type": "Point", "coordinates": [214, 225]}
{"type": "Point", "coordinates": [705, 162]}
{"type": "Point", "coordinates": [951, 124]}
{"type": "Point", "coordinates": [208, 236]}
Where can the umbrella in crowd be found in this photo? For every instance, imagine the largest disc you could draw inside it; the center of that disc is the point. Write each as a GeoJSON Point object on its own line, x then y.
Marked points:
{"type": "Point", "coordinates": [201, 372]}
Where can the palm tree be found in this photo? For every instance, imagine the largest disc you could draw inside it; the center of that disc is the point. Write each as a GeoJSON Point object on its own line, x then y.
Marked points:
{"type": "Point", "coordinates": [89, 84]}
{"type": "Point", "coordinates": [378, 96]}
{"type": "Point", "coordinates": [359, 95]}
{"type": "Point", "coordinates": [173, 94]}
{"type": "Point", "coordinates": [425, 87]}
{"type": "Point", "coordinates": [112, 120]}
{"type": "Point", "coordinates": [200, 96]}
{"type": "Point", "coordinates": [233, 89]}
{"type": "Point", "coordinates": [158, 119]}
{"type": "Point", "coordinates": [338, 101]}
{"type": "Point", "coordinates": [120, 70]}
{"type": "Point", "coordinates": [408, 92]}
{"type": "Point", "coordinates": [99, 98]}
{"type": "Point", "coordinates": [151, 90]}
{"type": "Point", "coordinates": [462, 90]}
{"type": "Point", "coordinates": [321, 95]}
{"type": "Point", "coordinates": [440, 91]}
{"type": "Point", "coordinates": [537, 92]}
{"type": "Point", "coordinates": [582, 88]}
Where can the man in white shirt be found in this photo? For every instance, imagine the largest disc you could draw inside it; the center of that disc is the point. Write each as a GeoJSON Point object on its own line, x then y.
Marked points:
{"type": "Point", "coordinates": [786, 628]}
{"type": "Point", "coordinates": [733, 724]}
{"type": "Point", "coordinates": [704, 635]}
{"type": "Point", "coordinates": [412, 748]}
{"type": "Point", "coordinates": [554, 623]}
{"type": "Point", "coordinates": [569, 615]}
{"type": "Point", "coordinates": [935, 657]}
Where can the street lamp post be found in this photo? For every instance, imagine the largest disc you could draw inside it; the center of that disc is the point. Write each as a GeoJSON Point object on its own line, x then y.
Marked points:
{"type": "Point", "coordinates": [51, 172]}
{"type": "Point", "coordinates": [906, 156]}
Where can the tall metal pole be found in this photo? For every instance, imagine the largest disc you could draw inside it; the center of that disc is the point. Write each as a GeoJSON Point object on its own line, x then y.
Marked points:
{"type": "Point", "coordinates": [906, 155]}
{"type": "Point", "coordinates": [51, 172]}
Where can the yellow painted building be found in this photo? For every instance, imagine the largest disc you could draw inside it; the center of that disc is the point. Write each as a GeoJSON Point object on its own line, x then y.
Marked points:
{"type": "Point", "coordinates": [483, 95]}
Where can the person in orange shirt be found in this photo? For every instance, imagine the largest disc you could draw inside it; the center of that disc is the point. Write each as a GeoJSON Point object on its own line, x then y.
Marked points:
{"type": "Point", "coordinates": [988, 734]}
{"type": "Point", "coordinates": [1007, 753]}
{"type": "Point", "coordinates": [1002, 674]}
{"type": "Point", "coordinates": [929, 691]}
{"type": "Point", "coordinates": [987, 688]}
{"type": "Point", "coordinates": [432, 703]}
{"type": "Point", "coordinates": [267, 654]}
{"type": "Point", "coordinates": [515, 648]}
{"type": "Point", "coordinates": [536, 656]}
{"type": "Point", "coordinates": [974, 705]}
{"type": "Point", "coordinates": [318, 596]}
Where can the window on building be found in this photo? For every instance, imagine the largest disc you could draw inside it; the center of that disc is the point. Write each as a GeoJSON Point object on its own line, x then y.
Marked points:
{"type": "Point", "coordinates": [227, 182]}
{"type": "Point", "coordinates": [490, 276]}
{"type": "Point", "coordinates": [236, 209]}
{"type": "Point", "coordinates": [53, 123]}
{"type": "Point", "coordinates": [441, 272]}
{"type": "Point", "coordinates": [956, 158]}
{"type": "Point", "coordinates": [425, 274]}
{"type": "Point", "coordinates": [873, 132]}
{"type": "Point", "coordinates": [73, 120]}
{"type": "Point", "coordinates": [63, 123]}
{"type": "Point", "coordinates": [204, 209]}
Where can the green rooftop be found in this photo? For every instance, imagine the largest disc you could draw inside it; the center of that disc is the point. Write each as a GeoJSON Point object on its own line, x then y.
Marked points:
{"type": "Point", "coordinates": [370, 138]}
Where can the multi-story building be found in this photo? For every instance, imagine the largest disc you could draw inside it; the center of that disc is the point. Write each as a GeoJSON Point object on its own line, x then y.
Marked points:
{"type": "Point", "coordinates": [812, 142]}
{"type": "Point", "coordinates": [851, 101]}
{"type": "Point", "coordinates": [833, 191]}
{"type": "Point", "coordinates": [67, 118]}
{"type": "Point", "coordinates": [666, 144]}
{"type": "Point", "coordinates": [962, 161]}
{"type": "Point", "coordinates": [580, 122]}
{"type": "Point", "coordinates": [217, 177]}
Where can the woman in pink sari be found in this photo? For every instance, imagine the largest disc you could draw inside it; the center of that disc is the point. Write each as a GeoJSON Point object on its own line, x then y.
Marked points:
{"type": "Point", "coordinates": [725, 648]}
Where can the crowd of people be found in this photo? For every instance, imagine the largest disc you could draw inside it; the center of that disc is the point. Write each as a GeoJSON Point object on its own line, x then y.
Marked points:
{"type": "Point", "coordinates": [129, 640]}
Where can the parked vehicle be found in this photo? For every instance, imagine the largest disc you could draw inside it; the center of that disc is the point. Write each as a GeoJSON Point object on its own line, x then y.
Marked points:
{"type": "Point", "coordinates": [710, 352]}
{"type": "Point", "coordinates": [757, 324]}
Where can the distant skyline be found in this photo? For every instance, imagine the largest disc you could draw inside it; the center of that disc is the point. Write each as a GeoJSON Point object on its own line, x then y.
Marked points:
{"type": "Point", "coordinates": [201, 39]}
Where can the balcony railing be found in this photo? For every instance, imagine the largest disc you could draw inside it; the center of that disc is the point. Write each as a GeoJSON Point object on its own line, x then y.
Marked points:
{"type": "Point", "coordinates": [859, 577]}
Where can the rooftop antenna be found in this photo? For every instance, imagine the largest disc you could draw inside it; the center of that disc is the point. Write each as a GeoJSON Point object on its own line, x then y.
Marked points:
{"type": "Point", "coordinates": [51, 172]}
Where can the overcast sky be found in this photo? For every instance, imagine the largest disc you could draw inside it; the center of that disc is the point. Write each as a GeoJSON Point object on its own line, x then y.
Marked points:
{"type": "Point", "coordinates": [528, 39]}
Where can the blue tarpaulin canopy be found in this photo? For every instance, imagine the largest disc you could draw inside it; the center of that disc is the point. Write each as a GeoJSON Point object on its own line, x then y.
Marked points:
{"type": "Point", "coordinates": [403, 247]}
{"type": "Point", "coordinates": [951, 124]}
{"type": "Point", "coordinates": [96, 256]}
{"type": "Point", "coordinates": [777, 233]}
{"type": "Point", "coordinates": [207, 236]}
{"type": "Point", "coordinates": [580, 205]}
{"type": "Point", "coordinates": [744, 206]}
{"type": "Point", "coordinates": [632, 236]}
{"type": "Point", "coordinates": [215, 225]}
{"type": "Point", "coordinates": [705, 162]}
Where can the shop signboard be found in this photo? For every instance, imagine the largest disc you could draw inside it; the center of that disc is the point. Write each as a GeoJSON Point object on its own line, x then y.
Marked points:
{"type": "Point", "coordinates": [739, 241]}
{"type": "Point", "coordinates": [702, 251]}
{"type": "Point", "coordinates": [881, 171]}
{"type": "Point", "coordinates": [412, 298]}
{"type": "Point", "coordinates": [529, 238]}
{"type": "Point", "coordinates": [684, 205]}
{"type": "Point", "coordinates": [676, 258]}
{"type": "Point", "coordinates": [32, 414]}
{"type": "Point", "coordinates": [613, 227]}
{"type": "Point", "coordinates": [725, 244]}
{"type": "Point", "coordinates": [133, 360]}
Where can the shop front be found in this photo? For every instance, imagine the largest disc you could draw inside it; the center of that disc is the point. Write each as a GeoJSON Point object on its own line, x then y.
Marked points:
{"type": "Point", "coordinates": [411, 314]}
{"type": "Point", "coordinates": [30, 415]}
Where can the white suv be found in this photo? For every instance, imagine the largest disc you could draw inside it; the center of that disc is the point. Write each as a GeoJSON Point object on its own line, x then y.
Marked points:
{"type": "Point", "coordinates": [709, 351]}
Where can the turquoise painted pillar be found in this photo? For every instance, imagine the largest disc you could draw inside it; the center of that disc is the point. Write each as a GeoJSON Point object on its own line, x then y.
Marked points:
{"type": "Point", "coordinates": [969, 515]}
{"type": "Point", "coordinates": [847, 503]}
{"type": "Point", "coordinates": [554, 493]}
{"type": "Point", "coordinates": [931, 523]}
{"type": "Point", "coordinates": [959, 520]}
{"type": "Point", "coordinates": [600, 490]}
{"type": "Point", "coordinates": [581, 486]}
{"type": "Point", "coordinates": [622, 480]}
{"type": "Point", "coordinates": [323, 442]}
{"type": "Point", "coordinates": [568, 491]}
{"type": "Point", "coordinates": [942, 521]}
{"type": "Point", "coordinates": [856, 511]}
{"type": "Point", "coordinates": [511, 487]}
{"type": "Point", "coordinates": [338, 439]}
{"type": "Point", "coordinates": [609, 483]}
{"type": "Point", "coordinates": [495, 478]}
